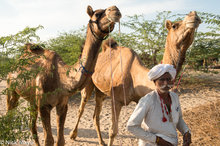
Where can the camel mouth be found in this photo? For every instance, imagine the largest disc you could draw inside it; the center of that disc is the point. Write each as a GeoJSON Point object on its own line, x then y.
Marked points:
{"type": "Point", "coordinates": [192, 24]}
{"type": "Point", "coordinates": [114, 19]}
{"type": "Point", "coordinates": [113, 14]}
{"type": "Point", "coordinates": [192, 20]}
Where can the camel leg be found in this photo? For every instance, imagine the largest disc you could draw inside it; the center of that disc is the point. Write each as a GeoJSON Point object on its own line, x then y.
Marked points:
{"type": "Point", "coordinates": [12, 100]}
{"type": "Point", "coordinates": [45, 117]}
{"type": "Point", "coordinates": [99, 97]}
{"type": "Point", "coordinates": [33, 119]}
{"type": "Point", "coordinates": [85, 95]}
{"type": "Point", "coordinates": [115, 116]}
{"type": "Point", "coordinates": [61, 117]}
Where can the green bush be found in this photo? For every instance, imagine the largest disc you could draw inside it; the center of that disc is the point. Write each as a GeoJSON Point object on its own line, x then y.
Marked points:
{"type": "Point", "coordinates": [14, 126]}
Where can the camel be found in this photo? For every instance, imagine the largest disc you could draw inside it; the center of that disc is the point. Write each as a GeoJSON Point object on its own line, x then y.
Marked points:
{"type": "Point", "coordinates": [136, 84]}
{"type": "Point", "coordinates": [53, 86]}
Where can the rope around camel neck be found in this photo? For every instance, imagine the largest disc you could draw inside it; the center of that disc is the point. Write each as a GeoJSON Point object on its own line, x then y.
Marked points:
{"type": "Point", "coordinates": [186, 60]}
{"type": "Point", "coordinates": [113, 96]}
{"type": "Point", "coordinates": [122, 78]}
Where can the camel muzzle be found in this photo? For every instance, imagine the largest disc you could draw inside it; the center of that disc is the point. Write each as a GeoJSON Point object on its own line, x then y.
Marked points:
{"type": "Point", "coordinates": [113, 14]}
{"type": "Point", "coordinates": [192, 20]}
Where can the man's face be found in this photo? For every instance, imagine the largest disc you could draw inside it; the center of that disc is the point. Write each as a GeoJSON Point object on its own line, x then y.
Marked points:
{"type": "Point", "coordinates": [164, 83]}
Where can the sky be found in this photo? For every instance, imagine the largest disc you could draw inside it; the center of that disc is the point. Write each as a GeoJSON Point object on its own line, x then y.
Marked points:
{"type": "Point", "coordinates": [57, 16]}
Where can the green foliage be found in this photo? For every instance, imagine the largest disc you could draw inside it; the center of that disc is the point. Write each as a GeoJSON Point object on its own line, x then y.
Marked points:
{"type": "Point", "coordinates": [205, 52]}
{"type": "Point", "coordinates": [12, 47]}
{"type": "Point", "coordinates": [147, 37]}
{"type": "Point", "coordinates": [14, 126]}
{"type": "Point", "coordinates": [67, 45]}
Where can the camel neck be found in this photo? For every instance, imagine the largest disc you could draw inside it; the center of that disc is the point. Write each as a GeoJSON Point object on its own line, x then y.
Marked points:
{"type": "Point", "coordinates": [76, 79]}
{"type": "Point", "coordinates": [89, 56]}
{"type": "Point", "coordinates": [142, 84]}
{"type": "Point", "coordinates": [170, 54]}
{"type": "Point", "coordinates": [90, 51]}
{"type": "Point", "coordinates": [173, 56]}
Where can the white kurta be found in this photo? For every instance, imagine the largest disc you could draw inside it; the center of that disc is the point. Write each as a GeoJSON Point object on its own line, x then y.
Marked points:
{"type": "Point", "coordinates": [148, 111]}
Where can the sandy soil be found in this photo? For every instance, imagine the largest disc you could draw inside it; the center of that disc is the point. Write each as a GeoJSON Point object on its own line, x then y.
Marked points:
{"type": "Point", "coordinates": [200, 101]}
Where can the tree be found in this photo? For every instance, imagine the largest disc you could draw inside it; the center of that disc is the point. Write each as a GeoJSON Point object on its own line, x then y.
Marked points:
{"type": "Point", "coordinates": [12, 47]}
{"type": "Point", "coordinates": [206, 47]}
{"type": "Point", "coordinates": [67, 45]}
{"type": "Point", "coordinates": [14, 125]}
{"type": "Point", "coordinates": [147, 37]}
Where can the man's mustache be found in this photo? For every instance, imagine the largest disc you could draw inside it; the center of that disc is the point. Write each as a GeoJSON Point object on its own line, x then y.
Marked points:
{"type": "Point", "coordinates": [166, 86]}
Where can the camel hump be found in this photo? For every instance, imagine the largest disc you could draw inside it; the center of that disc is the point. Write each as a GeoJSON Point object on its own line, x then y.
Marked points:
{"type": "Point", "coordinates": [31, 46]}
{"type": "Point", "coordinates": [109, 43]}
{"type": "Point", "coordinates": [34, 48]}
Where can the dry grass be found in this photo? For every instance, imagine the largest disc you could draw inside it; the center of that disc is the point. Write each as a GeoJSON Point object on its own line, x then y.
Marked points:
{"type": "Point", "coordinates": [204, 122]}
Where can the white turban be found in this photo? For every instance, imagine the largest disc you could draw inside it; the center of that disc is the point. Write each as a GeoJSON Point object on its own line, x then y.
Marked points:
{"type": "Point", "coordinates": [160, 69]}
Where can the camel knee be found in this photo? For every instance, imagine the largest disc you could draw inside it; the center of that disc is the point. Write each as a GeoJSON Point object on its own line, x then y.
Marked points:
{"type": "Point", "coordinates": [111, 138]}
{"type": "Point", "coordinates": [49, 141]}
{"type": "Point", "coordinates": [12, 103]}
{"type": "Point", "coordinates": [12, 100]}
{"type": "Point", "coordinates": [61, 116]}
{"type": "Point", "coordinates": [61, 141]}
{"type": "Point", "coordinates": [33, 128]}
{"type": "Point", "coordinates": [113, 133]}
{"type": "Point", "coordinates": [95, 119]}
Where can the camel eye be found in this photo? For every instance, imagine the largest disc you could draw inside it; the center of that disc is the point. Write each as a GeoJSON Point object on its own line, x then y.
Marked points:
{"type": "Point", "coordinates": [98, 15]}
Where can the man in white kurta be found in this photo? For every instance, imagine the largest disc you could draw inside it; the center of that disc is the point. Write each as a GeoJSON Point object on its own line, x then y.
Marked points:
{"type": "Point", "coordinates": [149, 111]}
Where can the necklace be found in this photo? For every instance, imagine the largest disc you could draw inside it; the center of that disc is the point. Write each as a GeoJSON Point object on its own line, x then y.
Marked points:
{"type": "Point", "coordinates": [165, 110]}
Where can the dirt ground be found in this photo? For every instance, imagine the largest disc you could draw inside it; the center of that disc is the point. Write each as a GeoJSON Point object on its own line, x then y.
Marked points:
{"type": "Point", "coordinates": [200, 100]}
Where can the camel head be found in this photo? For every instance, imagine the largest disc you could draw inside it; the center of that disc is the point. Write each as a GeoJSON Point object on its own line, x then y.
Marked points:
{"type": "Point", "coordinates": [180, 37]}
{"type": "Point", "coordinates": [103, 21]}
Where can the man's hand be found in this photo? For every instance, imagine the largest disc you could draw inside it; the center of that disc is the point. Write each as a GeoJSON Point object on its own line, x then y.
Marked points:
{"type": "Point", "coordinates": [161, 142]}
{"type": "Point", "coordinates": [187, 139]}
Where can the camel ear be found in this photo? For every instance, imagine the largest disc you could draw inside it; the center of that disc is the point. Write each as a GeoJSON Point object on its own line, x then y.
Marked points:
{"type": "Point", "coordinates": [28, 46]}
{"type": "Point", "coordinates": [90, 11]}
{"type": "Point", "coordinates": [168, 24]}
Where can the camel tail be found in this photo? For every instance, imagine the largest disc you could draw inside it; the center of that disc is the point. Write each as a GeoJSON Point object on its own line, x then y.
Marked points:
{"type": "Point", "coordinates": [109, 43]}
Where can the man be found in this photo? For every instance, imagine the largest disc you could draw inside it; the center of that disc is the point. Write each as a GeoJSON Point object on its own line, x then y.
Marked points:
{"type": "Point", "coordinates": [160, 111]}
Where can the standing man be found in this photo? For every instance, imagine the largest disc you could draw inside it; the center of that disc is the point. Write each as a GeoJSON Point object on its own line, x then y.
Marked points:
{"type": "Point", "coordinates": [160, 110]}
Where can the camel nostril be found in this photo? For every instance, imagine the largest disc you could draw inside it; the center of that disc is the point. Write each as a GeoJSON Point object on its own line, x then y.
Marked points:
{"type": "Point", "coordinates": [118, 14]}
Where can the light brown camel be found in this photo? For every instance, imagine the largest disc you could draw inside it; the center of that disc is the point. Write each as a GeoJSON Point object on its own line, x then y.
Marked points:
{"type": "Point", "coordinates": [54, 84]}
{"type": "Point", "coordinates": [180, 37]}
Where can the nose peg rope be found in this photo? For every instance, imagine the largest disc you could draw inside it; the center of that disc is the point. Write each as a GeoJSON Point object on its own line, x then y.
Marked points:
{"type": "Point", "coordinates": [186, 61]}
{"type": "Point", "coordinates": [122, 77]}
{"type": "Point", "coordinates": [113, 96]}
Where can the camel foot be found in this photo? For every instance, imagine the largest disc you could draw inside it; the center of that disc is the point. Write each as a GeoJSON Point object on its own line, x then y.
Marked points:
{"type": "Point", "coordinates": [73, 135]}
{"type": "Point", "coordinates": [103, 143]}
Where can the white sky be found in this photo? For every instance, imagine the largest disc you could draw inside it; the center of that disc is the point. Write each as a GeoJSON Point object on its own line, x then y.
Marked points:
{"type": "Point", "coordinates": [65, 15]}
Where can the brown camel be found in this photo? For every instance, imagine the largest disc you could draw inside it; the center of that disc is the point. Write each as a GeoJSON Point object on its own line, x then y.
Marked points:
{"type": "Point", "coordinates": [58, 81]}
{"type": "Point", "coordinates": [180, 37]}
